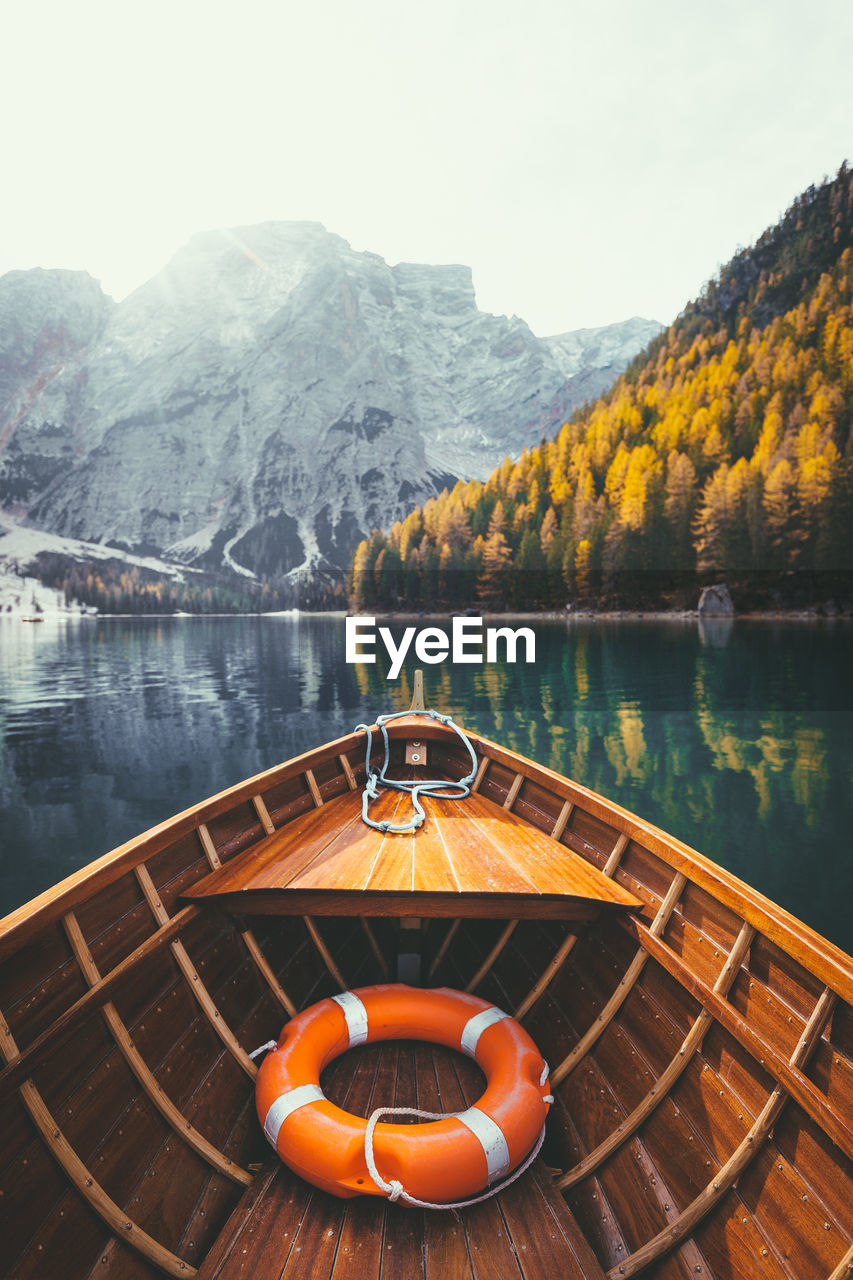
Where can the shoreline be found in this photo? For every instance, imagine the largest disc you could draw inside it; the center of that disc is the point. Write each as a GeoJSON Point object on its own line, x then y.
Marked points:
{"type": "Point", "coordinates": [70, 614]}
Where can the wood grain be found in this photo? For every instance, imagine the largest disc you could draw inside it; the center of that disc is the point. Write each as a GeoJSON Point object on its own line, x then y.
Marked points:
{"type": "Point", "coordinates": [473, 848]}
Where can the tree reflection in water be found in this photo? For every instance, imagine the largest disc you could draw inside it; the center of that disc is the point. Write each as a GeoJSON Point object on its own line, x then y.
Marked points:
{"type": "Point", "coordinates": [737, 738]}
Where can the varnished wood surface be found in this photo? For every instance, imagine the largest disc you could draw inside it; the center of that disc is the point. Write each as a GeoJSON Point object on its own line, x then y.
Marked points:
{"type": "Point", "coordinates": [466, 849]}
{"type": "Point", "coordinates": [283, 1229]}
{"type": "Point", "coordinates": [691, 1135]}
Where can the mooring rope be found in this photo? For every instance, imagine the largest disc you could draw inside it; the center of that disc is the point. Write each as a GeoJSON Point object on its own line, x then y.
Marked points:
{"type": "Point", "coordinates": [436, 787]}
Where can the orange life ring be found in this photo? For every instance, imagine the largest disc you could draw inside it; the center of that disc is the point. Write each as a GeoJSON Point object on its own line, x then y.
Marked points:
{"type": "Point", "coordinates": [440, 1162]}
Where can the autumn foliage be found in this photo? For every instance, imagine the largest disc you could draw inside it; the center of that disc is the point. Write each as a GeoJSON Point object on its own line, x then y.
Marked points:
{"type": "Point", "coordinates": [725, 449]}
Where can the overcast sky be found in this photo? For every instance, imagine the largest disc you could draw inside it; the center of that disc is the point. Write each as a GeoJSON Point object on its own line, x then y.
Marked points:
{"type": "Point", "coordinates": [589, 161]}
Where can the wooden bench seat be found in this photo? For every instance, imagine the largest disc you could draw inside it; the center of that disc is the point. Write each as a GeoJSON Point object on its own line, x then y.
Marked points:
{"type": "Point", "coordinates": [284, 1229]}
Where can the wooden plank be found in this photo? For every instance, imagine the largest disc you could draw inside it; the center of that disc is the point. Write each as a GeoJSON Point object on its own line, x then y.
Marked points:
{"type": "Point", "coordinates": [561, 820]}
{"type": "Point", "coordinates": [21, 1064]}
{"type": "Point", "coordinates": [433, 869]}
{"type": "Point", "coordinates": [547, 975]}
{"type": "Point", "coordinates": [348, 773]}
{"type": "Point", "coordinates": [263, 814]}
{"type": "Point", "coordinates": [209, 847]}
{"type": "Point", "coordinates": [374, 946]}
{"type": "Point", "coordinates": [445, 943]}
{"type": "Point", "coordinates": [348, 862]}
{"type": "Point", "coordinates": [822, 958]}
{"type": "Point", "coordinates": [731, 1170]}
{"type": "Point", "coordinates": [512, 794]}
{"type": "Point", "coordinates": [152, 1088]}
{"type": "Point", "coordinates": [547, 1241]}
{"type": "Point", "coordinates": [488, 906]}
{"type": "Point", "coordinates": [567, 945]}
{"type": "Point", "coordinates": [816, 1104]}
{"type": "Point", "coordinates": [313, 788]}
{"type": "Point", "coordinates": [480, 774]}
{"type": "Point", "coordinates": [276, 859]}
{"type": "Point", "coordinates": [325, 953]}
{"type": "Point", "coordinates": [193, 978]}
{"type": "Point", "coordinates": [844, 1270]}
{"type": "Point", "coordinates": [81, 1177]}
{"type": "Point", "coordinates": [547, 866]}
{"type": "Point", "coordinates": [667, 1078]}
{"type": "Point", "coordinates": [247, 1208]}
{"type": "Point", "coordinates": [266, 971]}
{"type": "Point", "coordinates": [504, 937]}
{"type": "Point", "coordinates": [624, 988]}
{"type": "Point", "coordinates": [479, 866]}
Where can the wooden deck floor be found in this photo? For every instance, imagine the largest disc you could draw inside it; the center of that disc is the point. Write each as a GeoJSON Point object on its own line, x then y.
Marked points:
{"type": "Point", "coordinates": [284, 1229]}
{"type": "Point", "coordinates": [470, 854]}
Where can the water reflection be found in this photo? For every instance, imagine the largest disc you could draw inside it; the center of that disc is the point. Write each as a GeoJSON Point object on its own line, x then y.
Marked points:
{"type": "Point", "coordinates": [715, 631]}
{"type": "Point", "coordinates": [740, 744]}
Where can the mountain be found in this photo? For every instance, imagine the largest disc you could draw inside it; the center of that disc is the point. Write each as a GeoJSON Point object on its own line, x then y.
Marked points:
{"type": "Point", "coordinates": [268, 398]}
{"type": "Point", "coordinates": [592, 359]}
{"type": "Point", "coordinates": [725, 449]}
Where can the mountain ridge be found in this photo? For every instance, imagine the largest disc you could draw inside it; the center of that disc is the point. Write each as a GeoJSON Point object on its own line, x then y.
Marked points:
{"type": "Point", "coordinates": [266, 399]}
{"type": "Point", "coordinates": [725, 449]}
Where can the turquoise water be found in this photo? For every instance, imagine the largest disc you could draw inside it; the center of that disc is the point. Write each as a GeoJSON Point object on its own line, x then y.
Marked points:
{"type": "Point", "coordinates": [738, 739]}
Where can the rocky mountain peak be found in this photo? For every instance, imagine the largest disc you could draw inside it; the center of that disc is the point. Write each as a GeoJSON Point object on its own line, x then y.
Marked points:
{"type": "Point", "coordinates": [266, 399]}
{"type": "Point", "coordinates": [54, 310]}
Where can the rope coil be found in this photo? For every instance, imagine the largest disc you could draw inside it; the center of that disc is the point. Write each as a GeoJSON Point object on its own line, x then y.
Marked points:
{"type": "Point", "coordinates": [436, 787]}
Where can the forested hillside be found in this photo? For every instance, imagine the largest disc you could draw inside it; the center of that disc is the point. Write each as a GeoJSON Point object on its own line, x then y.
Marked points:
{"type": "Point", "coordinates": [724, 450]}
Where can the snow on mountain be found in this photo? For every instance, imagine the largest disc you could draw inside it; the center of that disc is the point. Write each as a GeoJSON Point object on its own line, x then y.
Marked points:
{"type": "Point", "coordinates": [269, 397]}
{"type": "Point", "coordinates": [592, 359]}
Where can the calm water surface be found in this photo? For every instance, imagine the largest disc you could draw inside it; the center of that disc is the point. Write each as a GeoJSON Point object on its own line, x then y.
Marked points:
{"type": "Point", "coordinates": [737, 740]}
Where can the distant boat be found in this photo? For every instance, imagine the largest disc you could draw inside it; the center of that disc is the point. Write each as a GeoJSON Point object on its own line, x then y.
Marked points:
{"type": "Point", "coordinates": [32, 618]}
{"type": "Point", "coordinates": [700, 1039]}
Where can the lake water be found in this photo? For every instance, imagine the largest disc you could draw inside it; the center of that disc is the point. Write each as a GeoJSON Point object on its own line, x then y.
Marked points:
{"type": "Point", "coordinates": [738, 739]}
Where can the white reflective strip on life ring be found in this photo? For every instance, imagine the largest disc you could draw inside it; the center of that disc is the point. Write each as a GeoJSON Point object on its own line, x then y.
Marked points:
{"type": "Point", "coordinates": [491, 1139]}
{"type": "Point", "coordinates": [475, 1027]}
{"type": "Point", "coordinates": [286, 1104]}
{"type": "Point", "coordinates": [355, 1014]}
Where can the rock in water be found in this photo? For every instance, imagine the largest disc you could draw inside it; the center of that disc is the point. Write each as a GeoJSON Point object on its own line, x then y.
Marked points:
{"type": "Point", "coordinates": [716, 602]}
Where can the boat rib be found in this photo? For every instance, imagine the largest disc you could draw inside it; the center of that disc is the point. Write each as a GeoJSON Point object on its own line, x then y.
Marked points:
{"type": "Point", "coordinates": [193, 977]}
{"type": "Point", "coordinates": [81, 1176]}
{"type": "Point", "coordinates": [567, 945]}
{"type": "Point", "coordinates": [251, 942]}
{"type": "Point", "coordinates": [626, 985]}
{"type": "Point", "coordinates": [740, 1024]}
{"type": "Point", "coordinates": [691, 1044]}
{"type": "Point", "coordinates": [742, 1156]}
{"type": "Point", "coordinates": [149, 1082]}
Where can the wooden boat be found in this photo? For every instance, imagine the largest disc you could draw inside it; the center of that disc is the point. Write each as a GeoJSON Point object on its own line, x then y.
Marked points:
{"type": "Point", "coordinates": [700, 1038]}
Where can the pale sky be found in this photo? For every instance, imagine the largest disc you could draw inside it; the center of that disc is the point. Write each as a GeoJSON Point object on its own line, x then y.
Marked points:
{"type": "Point", "coordinates": [589, 161]}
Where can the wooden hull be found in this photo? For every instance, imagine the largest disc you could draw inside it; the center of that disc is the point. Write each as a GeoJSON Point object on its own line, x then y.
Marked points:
{"type": "Point", "coordinates": [701, 1050]}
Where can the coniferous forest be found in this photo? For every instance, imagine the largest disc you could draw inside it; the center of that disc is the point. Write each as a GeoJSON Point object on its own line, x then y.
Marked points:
{"type": "Point", "coordinates": [725, 451]}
